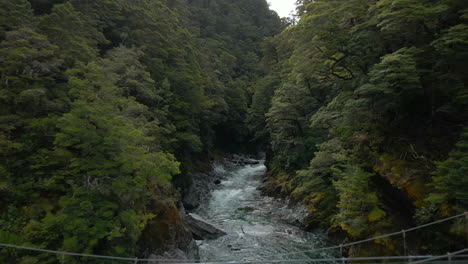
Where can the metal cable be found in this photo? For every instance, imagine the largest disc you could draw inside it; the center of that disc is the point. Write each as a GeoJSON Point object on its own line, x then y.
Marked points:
{"type": "Point", "coordinates": [370, 239]}
{"type": "Point", "coordinates": [440, 257]}
{"type": "Point", "coordinates": [425, 258]}
{"type": "Point", "coordinates": [187, 261]}
{"type": "Point", "coordinates": [64, 253]}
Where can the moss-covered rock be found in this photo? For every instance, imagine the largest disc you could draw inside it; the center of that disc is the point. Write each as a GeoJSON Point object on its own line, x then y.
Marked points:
{"type": "Point", "coordinates": [167, 231]}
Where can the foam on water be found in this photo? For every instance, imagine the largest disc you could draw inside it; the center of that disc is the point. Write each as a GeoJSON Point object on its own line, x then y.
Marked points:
{"type": "Point", "coordinates": [248, 218]}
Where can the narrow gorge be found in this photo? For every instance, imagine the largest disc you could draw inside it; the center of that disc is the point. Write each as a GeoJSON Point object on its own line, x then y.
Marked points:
{"type": "Point", "coordinates": [201, 130]}
{"type": "Point", "coordinates": [256, 226]}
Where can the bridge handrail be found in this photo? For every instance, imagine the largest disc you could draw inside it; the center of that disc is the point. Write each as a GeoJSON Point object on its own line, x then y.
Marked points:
{"type": "Point", "coordinates": [187, 261]}
{"type": "Point", "coordinates": [440, 257]}
{"type": "Point", "coordinates": [425, 258]}
{"type": "Point", "coordinates": [334, 260]}
{"type": "Point", "coordinates": [465, 214]}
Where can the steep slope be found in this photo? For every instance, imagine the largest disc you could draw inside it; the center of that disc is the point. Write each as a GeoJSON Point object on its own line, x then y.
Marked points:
{"type": "Point", "coordinates": [106, 105]}
{"type": "Point", "coordinates": [364, 114]}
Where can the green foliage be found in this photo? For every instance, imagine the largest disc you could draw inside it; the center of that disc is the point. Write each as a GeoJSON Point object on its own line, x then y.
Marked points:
{"type": "Point", "coordinates": [229, 37]}
{"type": "Point", "coordinates": [451, 64]}
{"type": "Point", "coordinates": [413, 21]}
{"type": "Point", "coordinates": [99, 165]}
{"type": "Point", "coordinates": [261, 103]}
{"type": "Point", "coordinates": [76, 35]}
{"type": "Point", "coordinates": [28, 64]}
{"type": "Point", "coordinates": [314, 184]}
{"type": "Point", "coordinates": [15, 14]}
{"type": "Point", "coordinates": [358, 204]}
{"type": "Point", "coordinates": [380, 87]}
{"type": "Point", "coordinates": [453, 43]}
{"type": "Point", "coordinates": [450, 178]}
{"type": "Point", "coordinates": [394, 85]}
{"type": "Point", "coordinates": [102, 99]}
{"type": "Point", "coordinates": [100, 102]}
{"type": "Point", "coordinates": [292, 106]}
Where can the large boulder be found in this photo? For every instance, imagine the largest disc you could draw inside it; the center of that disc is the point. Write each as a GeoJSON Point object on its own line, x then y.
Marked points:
{"type": "Point", "coordinates": [251, 161]}
{"type": "Point", "coordinates": [166, 235]}
{"type": "Point", "coordinates": [201, 229]}
{"type": "Point", "coordinates": [242, 160]}
{"type": "Point", "coordinates": [296, 214]}
{"type": "Point", "coordinates": [191, 199]}
{"type": "Point", "coordinates": [199, 190]}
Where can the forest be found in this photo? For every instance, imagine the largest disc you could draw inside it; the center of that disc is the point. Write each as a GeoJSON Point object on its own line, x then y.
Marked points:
{"type": "Point", "coordinates": [361, 107]}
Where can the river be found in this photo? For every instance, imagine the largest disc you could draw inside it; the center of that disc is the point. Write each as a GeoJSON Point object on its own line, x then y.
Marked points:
{"type": "Point", "coordinates": [254, 229]}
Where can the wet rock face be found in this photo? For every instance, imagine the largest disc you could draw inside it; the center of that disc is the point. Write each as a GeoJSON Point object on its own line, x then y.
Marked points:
{"type": "Point", "coordinates": [296, 215]}
{"type": "Point", "coordinates": [293, 213]}
{"type": "Point", "coordinates": [177, 254]}
{"type": "Point", "coordinates": [201, 229]}
{"type": "Point", "coordinates": [170, 235]}
{"type": "Point", "coordinates": [241, 160]}
{"type": "Point", "coordinates": [202, 185]}
{"type": "Point", "coordinates": [166, 235]}
{"type": "Point", "coordinates": [192, 197]}
{"type": "Point", "coordinates": [238, 160]}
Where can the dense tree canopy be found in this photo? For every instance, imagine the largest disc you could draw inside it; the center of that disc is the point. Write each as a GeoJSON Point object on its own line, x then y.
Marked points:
{"type": "Point", "coordinates": [106, 105]}
{"type": "Point", "coordinates": [361, 107]}
{"type": "Point", "coordinates": [365, 114]}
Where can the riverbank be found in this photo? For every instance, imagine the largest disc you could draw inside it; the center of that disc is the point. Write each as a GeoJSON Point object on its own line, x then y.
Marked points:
{"type": "Point", "coordinates": [256, 226]}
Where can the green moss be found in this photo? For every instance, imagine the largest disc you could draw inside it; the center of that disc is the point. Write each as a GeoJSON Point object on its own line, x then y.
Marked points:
{"type": "Point", "coordinates": [164, 230]}
{"type": "Point", "coordinates": [376, 215]}
{"type": "Point", "coordinates": [405, 175]}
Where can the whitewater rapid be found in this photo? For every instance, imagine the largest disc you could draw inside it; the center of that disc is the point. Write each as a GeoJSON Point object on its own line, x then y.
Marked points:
{"type": "Point", "coordinates": [253, 226]}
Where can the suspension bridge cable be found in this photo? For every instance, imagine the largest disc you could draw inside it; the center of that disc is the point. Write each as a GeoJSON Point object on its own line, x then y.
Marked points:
{"type": "Point", "coordinates": [187, 261]}
{"type": "Point", "coordinates": [334, 260]}
{"type": "Point", "coordinates": [449, 255]}
{"type": "Point", "coordinates": [135, 260]}
{"type": "Point", "coordinates": [64, 253]}
{"type": "Point", "coordinates": [370, 239]}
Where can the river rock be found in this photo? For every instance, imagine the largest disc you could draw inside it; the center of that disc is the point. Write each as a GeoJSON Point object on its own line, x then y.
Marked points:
{"type": "Point", "coordinates": [201, 229]}
{"type": "Point", "coordinates": [241, 160]}
{"type": "Point", "coordinates": [251, 162]}
{"type": "Point", "coordinates": [191, 199]}
{"type": "Point", "coordinates": [202, 185]}
{"type": "Point", "coordinates": [166, 235]}
{"type": "Point", "coordinates": [190, 254]}
{"type": "Point", "coordinates": [296, 214]}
